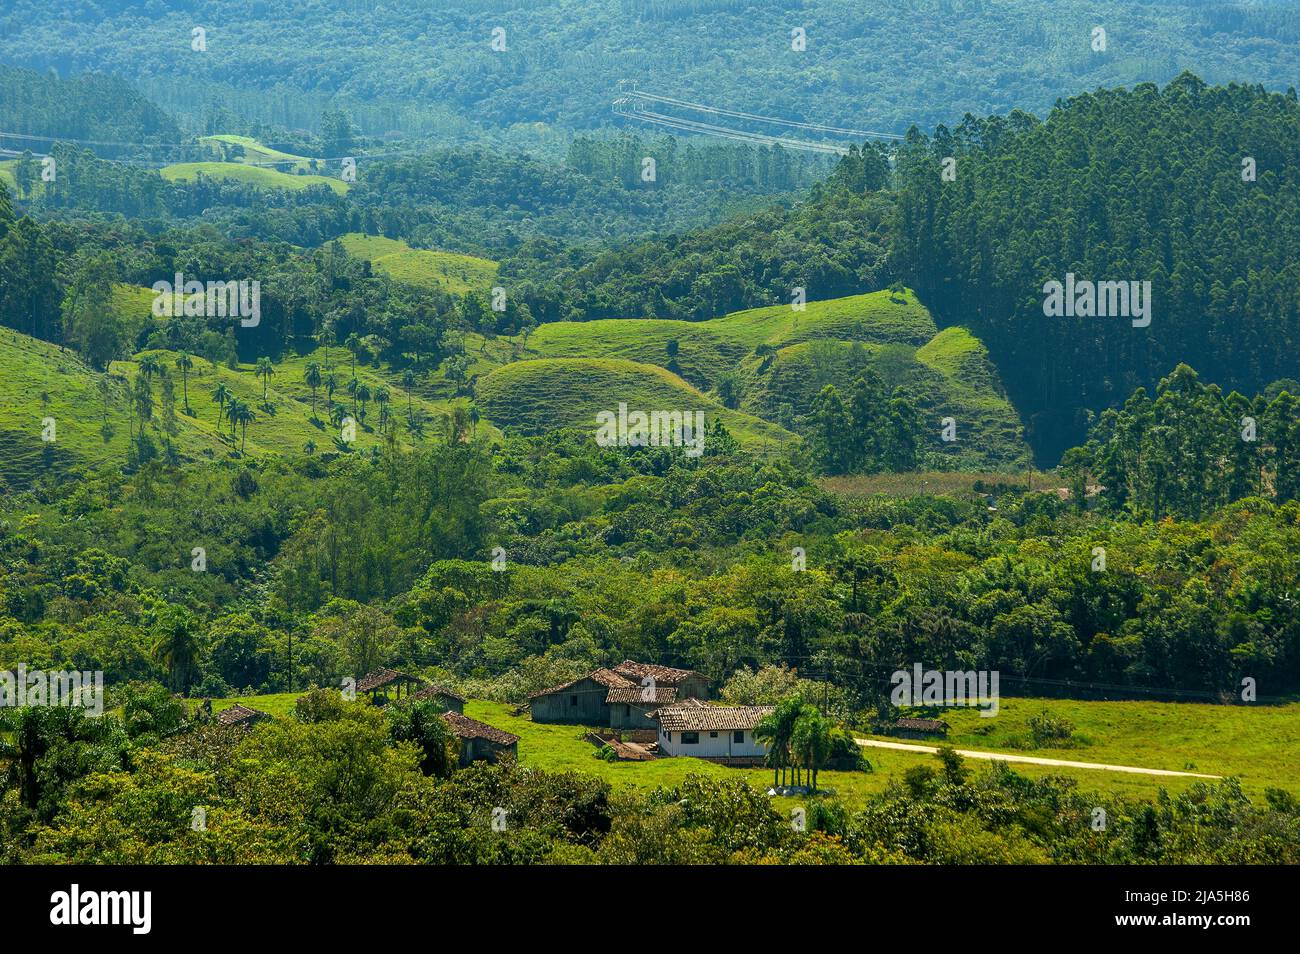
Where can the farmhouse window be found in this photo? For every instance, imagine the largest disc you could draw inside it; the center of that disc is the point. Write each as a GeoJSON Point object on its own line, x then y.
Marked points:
{"type": "Point", "coordinates": [738, 735]}
{"type": "Point", "coordinates": [690, 738]}
{"type": "Point", "coordinates": [713, 735]}
{"type": "Point", "coordinates": [573, 700]}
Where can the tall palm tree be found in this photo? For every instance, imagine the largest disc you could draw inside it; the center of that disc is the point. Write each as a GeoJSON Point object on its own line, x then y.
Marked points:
{"type": "Point", "coordinates": [312, 378]}
{"type": "Point", "coordinates": [324, 338]}
{"type": "Point", "coordinates": [353, 344]}
{"type": "Point", "coordinates": [765, 732]}
{"type": "Point", "coordinates": [362, 395]}
{"type": "Point", "coordinates": [338, 414]}
{"type": "Point", "coordinates": [185, 363]}
{"type": "Point", "coordinates": [149, 366]}
{"type": "Point", "coordinates": [408, 382]}
{"type": "Point", "coordinates": [381, 398]}
{"type": "Point", "coordinates": [265, 368]}
{"type": "Point", "coordinates": [176, 648]}
{"type": "Point", "coordinates": [241, 414]}
{"type": "Point", "coordinates": [811, 741]}
{"type": "Point", "coordinates": [222, 394]}
{"type": "Point", "coordinates": [232, 412]}
{"type": "Point", "coordinates": [776, 731]}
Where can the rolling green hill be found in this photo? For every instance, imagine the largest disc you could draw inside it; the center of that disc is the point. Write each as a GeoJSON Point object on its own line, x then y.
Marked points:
{"type": "Point", "coordinates": [706, 349]}
{"type": "Point", "coordinates": [562, 377]}
{"type": "Point", "coordinates": [535, 395]}
{"type": "Point", "coordinates": [245, 149]}
{"type": "Point", "coordinates": [785, 357]}
{"type": "Point", "coordinates": [450, 271]}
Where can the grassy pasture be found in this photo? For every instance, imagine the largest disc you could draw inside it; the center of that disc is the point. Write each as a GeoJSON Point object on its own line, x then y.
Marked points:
{"type": "Point", "coordinates": [263, 177]}
{"type": "Point", "coordinates": [451, 271]}
{"type": "Point", "coordinates": [568, 392]}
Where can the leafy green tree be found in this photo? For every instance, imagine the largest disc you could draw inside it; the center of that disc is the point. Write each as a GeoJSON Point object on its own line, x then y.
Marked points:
{"type": "Point", "coordinates": [421, 722]}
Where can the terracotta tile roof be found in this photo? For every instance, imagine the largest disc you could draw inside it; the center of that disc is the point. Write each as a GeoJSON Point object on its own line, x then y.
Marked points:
{"type": "Point", "coordinates": [660, 696]}
{"type": "Point", "coordinates": [690, 702]}
{"type": "Point", "coordinates": [921, 725]}
{"type": "Point", "coordinates": [382, 677]}
{"type": "Point", "coordinates": [433, 692]}
{"type": "Point", "coordinates": [606, 677]}
{"type": "Point", "coordinates": [707, 718]}
{"type": "Point", "coordinates": [467, 728]}
{"type": "Point", "coordinates": [238, 714]}
{"type": "Point", "coordinates": [661, 674]}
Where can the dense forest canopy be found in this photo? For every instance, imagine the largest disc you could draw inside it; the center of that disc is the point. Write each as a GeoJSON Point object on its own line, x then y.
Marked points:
{"type": "Point", "coordinates": [1194, 189]}
{"type": "Point", "coordinates": [427, 66]}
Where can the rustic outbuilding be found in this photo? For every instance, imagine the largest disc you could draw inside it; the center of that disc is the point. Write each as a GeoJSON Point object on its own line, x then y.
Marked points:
{"type": "Point", "coordinates": [478, 740]}
{"type": "Point", "coordinates": [242, 716]}
{"type": "Point", "coordinates": [381, 679]}
{"type": "Point", "coordinates": [620, 697]}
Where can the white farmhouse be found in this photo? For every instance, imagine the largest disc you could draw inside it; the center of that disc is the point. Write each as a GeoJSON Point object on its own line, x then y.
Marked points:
{"type": "Point", "coordinates": [696, 728]}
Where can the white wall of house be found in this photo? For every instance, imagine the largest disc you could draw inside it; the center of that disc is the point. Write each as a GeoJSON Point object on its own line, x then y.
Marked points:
{"type": "Point", "coordinates": [722, 743]}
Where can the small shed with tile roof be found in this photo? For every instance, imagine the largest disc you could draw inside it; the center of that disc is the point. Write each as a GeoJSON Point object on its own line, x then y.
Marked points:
{"type": "Point", "coordinates": [378, 682]}
{"type": "Point", "coordinates": [241, 715]}
{"type": "Point", "coordinates": [478, 740]}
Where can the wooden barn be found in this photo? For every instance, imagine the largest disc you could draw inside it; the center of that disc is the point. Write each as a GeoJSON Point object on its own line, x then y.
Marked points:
{"type": "Point", "coordinates": [581, 700]}
{"type": "Point", "coordinates": [620, 698]}
{"type": "Point", "coordinates": [478, 740]}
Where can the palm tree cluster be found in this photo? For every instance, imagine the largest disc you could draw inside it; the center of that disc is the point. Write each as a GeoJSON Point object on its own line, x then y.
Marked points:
{"type": "Point", "coordinates": [798, 739]}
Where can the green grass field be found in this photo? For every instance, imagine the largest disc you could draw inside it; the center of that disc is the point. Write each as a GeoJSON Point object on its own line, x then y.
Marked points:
{"type": "Point", "coordinates": [705, 349]}
{"type": "Point", "coordinates": [568, 392]}
{"type": "Point", "coordinates": [450, 271]}
{"type": "Point", "coordinates": [1257, 744]}
{"type": "Point", "coordinates": [262, 177]}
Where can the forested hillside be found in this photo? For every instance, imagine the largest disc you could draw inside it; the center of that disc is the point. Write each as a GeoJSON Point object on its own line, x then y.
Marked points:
{"type": "Point", "coordinates": [349, 348]}
{"type": "Point", "coordinates": [1194, 189]}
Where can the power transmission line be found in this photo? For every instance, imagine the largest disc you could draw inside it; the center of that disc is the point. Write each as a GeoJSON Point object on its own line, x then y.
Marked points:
{"type": "Point", "coordinates": [740, 135]}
